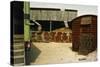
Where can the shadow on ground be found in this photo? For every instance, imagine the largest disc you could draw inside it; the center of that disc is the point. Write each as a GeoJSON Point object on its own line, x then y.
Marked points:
{"type": "Point", "coordinates": [35, 52]}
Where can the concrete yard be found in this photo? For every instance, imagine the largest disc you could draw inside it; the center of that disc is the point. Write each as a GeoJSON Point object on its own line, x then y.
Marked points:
{"type": "Point", "coordinates": [53, 53]}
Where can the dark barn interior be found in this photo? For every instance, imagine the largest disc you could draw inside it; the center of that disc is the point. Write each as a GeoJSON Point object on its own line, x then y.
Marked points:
{"type": "Point", "coordinates": [17, 17]}
{"type": "Point", "coordinates": [17, 32]}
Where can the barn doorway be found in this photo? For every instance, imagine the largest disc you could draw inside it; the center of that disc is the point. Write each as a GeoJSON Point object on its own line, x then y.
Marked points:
{"type": "Point", "coordinates": [17, 33]}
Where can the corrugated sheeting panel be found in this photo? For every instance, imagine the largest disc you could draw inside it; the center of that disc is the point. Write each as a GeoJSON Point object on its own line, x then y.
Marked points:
{"type": "Point", "coordinates": [52, 15]}
{"type": "Point", "coordinates": [71, 15]}
{"type": "Point", "coordinates": [86, 20]}
{"type": "Point", "coordinates": [87, 25]}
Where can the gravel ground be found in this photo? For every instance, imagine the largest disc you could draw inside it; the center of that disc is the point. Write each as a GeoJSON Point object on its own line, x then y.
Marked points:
{"type": "Point", "coordinates": [54, 53]}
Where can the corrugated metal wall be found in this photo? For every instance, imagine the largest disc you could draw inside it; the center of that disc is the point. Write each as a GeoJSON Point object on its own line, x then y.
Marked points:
{"type": "Point", "coordinates": [52, 14]}
{"type": "Point", "coordinates": [86, 24]}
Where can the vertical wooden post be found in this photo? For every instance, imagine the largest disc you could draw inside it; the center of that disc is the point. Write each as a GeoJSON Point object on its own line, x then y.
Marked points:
{"type": "Point", "coordinates": [27, 33]}
{"type": "Point", "coordinates": [26, 21]}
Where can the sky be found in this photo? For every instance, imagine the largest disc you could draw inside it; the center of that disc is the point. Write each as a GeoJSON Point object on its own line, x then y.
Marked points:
{"type": "Point", "coordinates": [82, 9]}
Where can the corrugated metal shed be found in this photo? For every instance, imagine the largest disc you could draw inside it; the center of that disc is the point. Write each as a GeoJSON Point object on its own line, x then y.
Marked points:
{"type": "Point", "coordinates": [84, 25]}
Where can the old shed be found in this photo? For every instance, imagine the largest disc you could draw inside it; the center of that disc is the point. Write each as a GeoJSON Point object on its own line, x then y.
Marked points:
{"type": "Point", "coordinates": [84, 33]}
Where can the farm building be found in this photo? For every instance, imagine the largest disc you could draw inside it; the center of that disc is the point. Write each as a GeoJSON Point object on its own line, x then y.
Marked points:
{"type": "Point", "coordinates": [41, 35]}
{"type": "Point", "coordinates": [84, 32]}
{"type": "Point", "coordinates": [52, 21]}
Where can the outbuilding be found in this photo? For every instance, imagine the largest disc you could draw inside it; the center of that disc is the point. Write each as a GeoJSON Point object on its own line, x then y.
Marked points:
{"type": "Point", "coordinates": [84, 33]}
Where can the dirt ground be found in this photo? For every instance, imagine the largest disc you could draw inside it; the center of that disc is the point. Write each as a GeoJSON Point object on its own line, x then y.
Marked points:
{"type": "Point", "coordinates": [54, 53]}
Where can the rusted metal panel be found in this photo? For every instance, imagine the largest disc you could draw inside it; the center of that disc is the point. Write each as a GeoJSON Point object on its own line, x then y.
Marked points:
{"type": "Point", "coordinates": [86, 24]}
